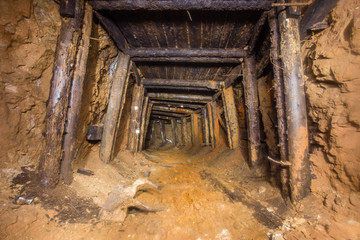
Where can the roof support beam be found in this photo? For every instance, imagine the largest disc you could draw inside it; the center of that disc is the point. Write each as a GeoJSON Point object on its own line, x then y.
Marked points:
{"type": "Point", "coordinates": [172, 109]}
{"type": "Point", "coordinates": [170, 114]}
{"type": "Point", "coordinates": [180, 97]}
{"type": "Point", "coordinates": [178, 104]}
{"type": "Point", "coordinates": [257, 29]}
{"type": "Point", "coordinates": [207, 84]}
{"type": "Point", "coordinates": [181, 5]}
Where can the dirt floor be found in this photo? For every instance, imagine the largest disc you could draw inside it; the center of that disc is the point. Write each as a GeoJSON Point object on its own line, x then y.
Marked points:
{"type": "Point", "coordinates": [203, 194]}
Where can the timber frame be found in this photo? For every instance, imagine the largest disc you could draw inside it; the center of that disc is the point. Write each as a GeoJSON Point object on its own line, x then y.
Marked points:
{"type": "Point", "coordinates": [186, 69]}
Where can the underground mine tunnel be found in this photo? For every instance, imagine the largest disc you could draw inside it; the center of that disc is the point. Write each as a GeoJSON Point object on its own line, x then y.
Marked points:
{"type": "Point", "coordinates": [200, 119]}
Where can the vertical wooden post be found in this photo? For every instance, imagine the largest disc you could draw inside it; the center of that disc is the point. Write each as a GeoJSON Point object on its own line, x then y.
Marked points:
{"type": "Point", "coordinates": [146, 126]}
{"type": "Point", "coordinates": [152, 133]}
{"type": "Point", "coordinates": [211, 124]}
{"type": "Point", "coordinates": [135, 118]}
{"type": "Point", "coordinates": [184, 131]}
{"type": "Point", "coordinates": [252, 111]}
{"type": "Point", "coordinates": [116, 104]}
{"type": "Point", "coordinates": [73, 114]}
{"type": "Point", "coordinates": [144, 120]}
{"type": "Point", "coordinates": [279, 96]}
{"type": "Point", "coordinates": [231, 116]}
{"type": "Point", "coordinates": [162, 131]}
{"type": "Point", "coordinates": [195, 129]}
{"type": "Point", "coordinates": [206, 126]}
{"type": "Point", "coordinates": [56, 109]}
{"type": "Point", "coordinates": [295, 105]}
{"type": "Point", "coordinates": [173, 127]}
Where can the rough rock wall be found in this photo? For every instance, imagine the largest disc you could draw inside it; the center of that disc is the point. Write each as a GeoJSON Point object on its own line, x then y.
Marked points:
{"type": "Point", "coordinates": [28, 34]}
{"type": "Point", "coordinates": [332, 67]}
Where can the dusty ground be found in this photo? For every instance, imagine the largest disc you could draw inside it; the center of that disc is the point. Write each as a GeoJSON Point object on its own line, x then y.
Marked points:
{"type": "Point", "coordinates": [204, 195]}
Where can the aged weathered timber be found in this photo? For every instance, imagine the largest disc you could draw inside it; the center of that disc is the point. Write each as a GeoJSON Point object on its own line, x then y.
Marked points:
{"type": "Point", "coordinates": [279, 95]}
{"type": "Point", "coordinates": [173, 130]}
{"type": "Point", "coordinates": [115, 106]}
{"type": "Point", "coordinates": [168, 118]}
{"type": "Point", "coordinates": [64, 62]}
{"type": "Point", "coordinates": [206, 129]}
{"type": "Point", "coordinates": [177, 104]}
{"type": "Point", "coordinates": [257, 29]}
{"type": "Point", "coordinates": [73, 113]}
{"type": "Point", "coordinates": [181, 5]}
{"type": "Point", "coordinates": [144, 119]}
{"type": "Point", "coordinates": [315, 13]}
{"type": "Point", "coordinates": [184, 131]}
{"type": "Point", "coordinates": [252, 111]}
{"type": "Point", "coordinates": [180, 97]}
{"type": "Point", "coordinates": [195, 131]}
{"type": "Point", "coordinates": [147, 120]}
{"type": "Point", "coordinates": [113, 31]}
{"type": "Point", "coordinates": [178, 52]}
{"type": "Point", "coordinates": [206, 84]}
{"type": "Point", "coordinates": [231, 116]}
{"type": "Point", "coordinates": [135, 118]}
{"type": "Point", "coordinates": [218, 60]}
{"type": "Point", "coordinates": [135, 73]}
{"type": "Point", "coordinates": [172, 109]}
{"type": "Point", "coordinates": [94, 133]}
{"type": "Point", "coordinates": [162, 131]}
{"type": "Point", "coordinates": [230, 78]}
{"type": "Point", "coordinates": [295, 104]}
{"type": "Point", "coordinates": [67, 8]}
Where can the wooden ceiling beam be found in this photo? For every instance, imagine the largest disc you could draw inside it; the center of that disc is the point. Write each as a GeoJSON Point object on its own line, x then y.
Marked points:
{"type": "Point", "coordinates": [257, 29]}
{"type": "Point", "coordinates": [198, 84]}
{"type": "Point", "coordinates": [186, 52]}
{"type": "Point", "coordinates": [177, 104]}
{"type": "Point", "coordinates": [159, 5]}
{"type": "Point", "coordinates": [172, 109]}
{"type": "Point", "coordinates": [180, 97]}
{"type": "Point", "coordinates": [169, 114]}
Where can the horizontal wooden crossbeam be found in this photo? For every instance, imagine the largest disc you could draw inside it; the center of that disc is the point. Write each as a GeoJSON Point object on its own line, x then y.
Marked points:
{"type": "Point", "coordinates": [172, 109]}
{"type": "Point", "coordinates": [196, 84]}
{"type": "Point", "coordinates": [230, 5]}
{"type": "Point", "coordinates": [180, 97]}
{"type": "Point", "coordinates": [177, 104]}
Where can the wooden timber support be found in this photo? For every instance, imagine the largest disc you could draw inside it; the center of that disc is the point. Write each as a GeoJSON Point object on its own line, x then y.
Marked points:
{"type": "Point", "coordinates": [219, 60]}
{"type": "Point", "coordinates": [160, 5]}
{"type": "Point", "coordinates": [73, 113]}
{"type": "Point", "coordinates": [195, 131]}
{"type": "Point", "coordinates": [113, 31]}
{"type": "Point", "coordinates": [135, 118]}
{"type": "Point", "coordinates": [279, 96]}
{"type": "Point", "coordinates": [234, 74]}
{"type": "Point", "coordinates": [180, 97]}
{"type": "Point", "coordinates": [167, 118]}
{"type": "Point", "coordinates": [184, 131]}
{"type": "Point", "coordinates": [231, 116]}
{"type": "Point", "coordinates": [145, 115]}
{"type": "Point", "coordinates": [206, 129]}
{"type": "Point", "coordinates": [64, 62]}
{"type": "Point", "coordinates": [147, 121]}
{"type": "Point", "coordinates": [177, 104]}
{"type": "Point", "coordinates": [162, 131]}
{"type": "Point", "coordinates": [295, 105]}
{"type": "Point", "coordinates": [173, 130]}
{"type": "Point", "coordinates": [257, 29]}
{"type": "Point", "coordinates": [315, 13]}
{"type": "Point", "coordinates": [115, 106]}
{"type": "Point", "coordinates": [213, 124]}
{"type": "Point", "coordinates": [172, 109]}
{"type": "Point", "coordinates": [199, 84]}
{"type": "Point", "coordinates": [169, 114]}
{"type": "Point", "coordinates": [252, 111]}
{"type": "Point", "coordinates": [187, 53]}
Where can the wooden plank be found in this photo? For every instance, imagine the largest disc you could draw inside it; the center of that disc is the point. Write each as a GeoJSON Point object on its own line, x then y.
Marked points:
{"type": "Point", "coordinates": [230, 78]}
{"type": "Point", "coordinates": [64, 63]}
{"type": "Point", "coordinates": [160, 5]}
{"type": "Point", "coordinates": [162, 131]}
{"type": "Point", "coordinates": [195, 131]}
{"type": "Point", "coordinates": [218, 60]}
{"type": "Point", "coordinates": [206, 130]}
{"type": "Point", "coordinates": [177, 104]}
{"type": "Point", "coordinates": [211, 124]}
{"type": "Point", "coordinates": [113, 31]}
{"type": "Point", "coordinates": [172, 109]}
{"type": "Point", "coordinates": [135, 118]}
{"type": "Point", "coordinates": [173, 130]}
{"type": "Point", "coordinates": [148, 113]}
{"type": "Point", "coordinates": [184, 131]}
{"type": "Point", "coordinates": [231, 116]}
{"type": "Point", "coordinates": [169, 114]}
{"type": "Point", "coordinates": [252, 112]}
{"type": "Point", "coordinates": [116, 104]}
{"type": "Point", "coordinates": [73, 113]}
{"type": "Point", "coordinates": [256, 31]}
